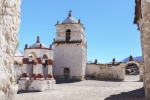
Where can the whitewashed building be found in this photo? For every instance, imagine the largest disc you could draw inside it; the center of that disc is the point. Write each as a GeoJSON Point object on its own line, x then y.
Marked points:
{"type": "Point", "coordinates": [70, 50]}
{"type": "Point", "coordinates": [37, 67]}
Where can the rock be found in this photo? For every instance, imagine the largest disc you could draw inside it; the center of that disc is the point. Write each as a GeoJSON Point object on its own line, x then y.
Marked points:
{"type": "Point", "coordinates": [9, 27]}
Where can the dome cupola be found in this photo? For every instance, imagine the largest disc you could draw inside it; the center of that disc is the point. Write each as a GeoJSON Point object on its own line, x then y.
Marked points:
{"type": "Point", "coordinates": [69, 19]}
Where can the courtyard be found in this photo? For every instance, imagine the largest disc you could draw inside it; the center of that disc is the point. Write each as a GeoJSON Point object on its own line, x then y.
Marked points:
{"type": "Point", "coordinates": [129, 89]}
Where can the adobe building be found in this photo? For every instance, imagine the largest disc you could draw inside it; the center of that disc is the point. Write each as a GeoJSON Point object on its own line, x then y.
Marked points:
{"type": "Point", "coordinates": [37, 68]}
{"type": "Point", "coordinates": [70, 50]}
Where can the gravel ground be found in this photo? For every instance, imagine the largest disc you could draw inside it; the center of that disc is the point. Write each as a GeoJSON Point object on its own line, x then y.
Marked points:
{"type": "Point", "coordinates": [129, 89]}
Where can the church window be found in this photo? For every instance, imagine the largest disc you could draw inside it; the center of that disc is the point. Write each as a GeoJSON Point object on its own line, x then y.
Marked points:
{"type": "Point", "coordinates": [68, 35]}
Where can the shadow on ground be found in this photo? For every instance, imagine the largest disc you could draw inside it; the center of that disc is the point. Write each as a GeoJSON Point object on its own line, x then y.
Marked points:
{"type": "Point", "coordinates": [66, 81]}
{"type": "Point", "coordinates": [106, 80]}
{"type": "Point", "coordinates": [27, 91]}
{"type": "Point", "coordinates": [131, 95]}
{"type": "Point", "coordinates": [58, 81]}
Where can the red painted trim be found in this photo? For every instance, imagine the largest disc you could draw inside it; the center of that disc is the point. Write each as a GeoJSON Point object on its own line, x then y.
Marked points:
{"type": "Point", "coordinates": [25, 75]}
{"type": "Point", "coordinates": [39, 60]}
{"type": "Point", "coordinates": [49, 62]}
{"type": "Point", "coordinates": [25, 60]}
{"type": "Point", "coordinates": [34, 63]}
{"type": "Point", "coordinates": [39, 76]}
{"type": "Point", "coordinates": [49, 76]}
{"type": "Point", "coordinates": [34, 76]}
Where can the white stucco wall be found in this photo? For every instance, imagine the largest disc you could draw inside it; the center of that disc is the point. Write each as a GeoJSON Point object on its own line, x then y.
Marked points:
{"type": "Point", "coordinates": [39, 53]}
{"type": "Point", "coordinates": [77, 32]}
{"type": "Point", "coordinates": [30, 70]}
{"type": "Point", "coordinates": [18, 71]}
{"type": "Point", "coordinates": [68, 56]}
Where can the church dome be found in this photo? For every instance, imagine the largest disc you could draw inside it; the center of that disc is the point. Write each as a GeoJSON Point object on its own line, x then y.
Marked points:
{"type": "Point", "coordinates": [69, 20]}
{"type": "Point", "coordinates": [38, 44]}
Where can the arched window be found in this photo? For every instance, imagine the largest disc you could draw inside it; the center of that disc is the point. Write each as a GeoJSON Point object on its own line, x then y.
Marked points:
{"type": "Point", "coordinates": [44, 56]}
{"type": "Point", "coordinates": [44, 59]}
{"type": "Point", "coordinates": [32, 56]}
{"type": "Point", "coordinates": [68, 35]}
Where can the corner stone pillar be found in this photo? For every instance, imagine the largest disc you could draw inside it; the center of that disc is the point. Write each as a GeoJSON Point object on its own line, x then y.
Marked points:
{"type": "Point", "coordinates": [144, 27]}
{"type": "Point", "coordinates": [49, 76]}
{"type": "Point", "coordinates": [34, 70]}
{"type": "Point", "coordinates": [40, 75]}
{"type": "Point", "coordinates": [24, 68]}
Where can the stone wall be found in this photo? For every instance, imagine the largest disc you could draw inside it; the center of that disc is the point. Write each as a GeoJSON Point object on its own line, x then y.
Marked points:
{"type": "Point", "coordinates": [104, 71]}
{"type": "Point", "coordinates": [109, 71]}
{"type": "Point", "coordinates": [9, 27]}
{"type": "Point", "coordinates": [142, 19]}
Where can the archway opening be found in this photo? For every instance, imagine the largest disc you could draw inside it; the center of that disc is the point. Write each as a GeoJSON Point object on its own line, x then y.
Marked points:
{"type": "Point", "coordinates": [32, 56]}
{"type": "Point", "coordinates": [132, 72]}
{"type": "Point", "coordinates": [45, 66]}
{"type": "Point", "coordinates": [68, 35]}
{"type": "Point", "coordinates": [44, 59]}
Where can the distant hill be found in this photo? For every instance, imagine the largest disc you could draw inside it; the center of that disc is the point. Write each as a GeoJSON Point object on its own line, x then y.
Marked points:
{"type": "Point", "coordinates": [90, 62]}
{"type": "Point", "coordinates": [139, 58]}
{"type": "Point", "coordinates": [19, 53]}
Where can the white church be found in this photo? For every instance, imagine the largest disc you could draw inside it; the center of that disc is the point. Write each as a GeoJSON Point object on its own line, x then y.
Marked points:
{"type": "Point", "coordinates": [70, 50]}
{"type": "Point", "coordinates": [66, 61]}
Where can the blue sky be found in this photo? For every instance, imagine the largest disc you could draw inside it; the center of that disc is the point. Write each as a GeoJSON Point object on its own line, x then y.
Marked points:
{"type": "Point", "coordinates": [110, 32]}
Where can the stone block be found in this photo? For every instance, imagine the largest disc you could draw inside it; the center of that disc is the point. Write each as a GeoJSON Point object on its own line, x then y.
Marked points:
{"type": "Point", "coordinates": [147, 84]}
{"type": "Point", "coordinates": [35, 85]}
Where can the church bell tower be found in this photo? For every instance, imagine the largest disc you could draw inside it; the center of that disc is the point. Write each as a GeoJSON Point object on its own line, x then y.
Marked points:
{"type": "Point", "coordinates": [70, 50]}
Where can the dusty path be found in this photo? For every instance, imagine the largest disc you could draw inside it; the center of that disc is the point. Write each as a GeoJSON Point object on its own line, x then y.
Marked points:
{"type": "Point", "coordinates": [90, 90]}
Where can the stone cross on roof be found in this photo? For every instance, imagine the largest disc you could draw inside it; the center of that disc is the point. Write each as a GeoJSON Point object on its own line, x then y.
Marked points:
{"type": "Point", "coordinates": [69, 15]}
{"type": "Point", "coordinates": [38, 39]}
{"type": "Point", "coordinates": [70, 11]}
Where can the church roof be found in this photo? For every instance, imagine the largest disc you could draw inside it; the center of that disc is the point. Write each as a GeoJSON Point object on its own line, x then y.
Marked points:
{"type": "Point", "coordinates": [69, 20]}
{"type": "Point", "coordinates": [38, 44]}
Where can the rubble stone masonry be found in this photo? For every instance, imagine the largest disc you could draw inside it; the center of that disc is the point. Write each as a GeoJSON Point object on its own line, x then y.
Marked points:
{"type": "Point", "coordinates": [9, 27]}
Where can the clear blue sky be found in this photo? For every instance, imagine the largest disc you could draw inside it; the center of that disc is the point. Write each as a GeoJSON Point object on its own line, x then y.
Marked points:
{"type": "Point", "coordinates": [110, 32]}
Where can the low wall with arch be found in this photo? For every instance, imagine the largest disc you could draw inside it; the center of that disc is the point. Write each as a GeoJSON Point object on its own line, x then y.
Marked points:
{"type": "Point", "coordinates": [109, 71]}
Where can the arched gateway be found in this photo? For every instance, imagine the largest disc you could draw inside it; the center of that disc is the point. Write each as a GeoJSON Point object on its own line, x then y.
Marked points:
{"type": "Point", "coordinates": [134, 68]}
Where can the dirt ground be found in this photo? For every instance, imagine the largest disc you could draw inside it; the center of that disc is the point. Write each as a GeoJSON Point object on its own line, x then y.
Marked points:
{"type": "Point", "coordinates": [129, 89]}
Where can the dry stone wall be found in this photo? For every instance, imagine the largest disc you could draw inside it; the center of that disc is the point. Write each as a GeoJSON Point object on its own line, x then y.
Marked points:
{"type": "Point", "coordinates": [104, 71]}
{"type": "Point", "coordinates": [9, 27]}
{"type": "Point", "coordinates": [109, 71]}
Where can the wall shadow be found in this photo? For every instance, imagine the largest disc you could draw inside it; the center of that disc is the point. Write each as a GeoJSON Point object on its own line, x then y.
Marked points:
{"type": "Point", "coordinates": [27, 91]}
{"type": "Point", "coordinates": [66, 81]}
{"type": "Point", "coordinates": [138, 94]}
{"type": "Point", "coordinates": [106, 80]}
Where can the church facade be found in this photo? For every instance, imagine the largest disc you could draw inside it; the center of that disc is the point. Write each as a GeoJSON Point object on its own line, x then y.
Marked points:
{"type": "Point", "coordinates": [68, 59]}
{"type": "Point", "coordinates": [70, 50]}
